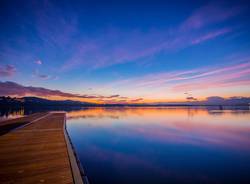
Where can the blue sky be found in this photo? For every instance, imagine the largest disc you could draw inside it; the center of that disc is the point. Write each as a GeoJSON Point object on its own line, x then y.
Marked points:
{"type": "Point", "coordinates": [150, 50]}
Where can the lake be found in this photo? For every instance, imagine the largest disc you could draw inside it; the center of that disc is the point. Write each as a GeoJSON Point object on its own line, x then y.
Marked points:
{"type": "Point", "coordinates": [159, 144]}
{"type": "Point", "coordinates": [162, 145]}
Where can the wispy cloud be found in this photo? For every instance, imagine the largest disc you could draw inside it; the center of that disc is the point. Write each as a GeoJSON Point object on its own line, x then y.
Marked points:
{"type": "Point", "coordinates": [211, 13]}
{"type": "Point", "coordinates": [56, 33]}
{"type": "Point", "coordinates": [103, 52]}
{"type": "Point", "coordinates": [137, 100]}
{"type": "Point", "coordinates": [210, 35]}
{"type": "Point", "coordinates": [7, 71]}
{"type": "Point", "coordinates": [235, 74]}
{"type": "Point", "coordinates": [115, 46]}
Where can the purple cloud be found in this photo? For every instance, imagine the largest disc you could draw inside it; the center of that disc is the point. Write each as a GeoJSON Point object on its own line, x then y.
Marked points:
{"type": "Point", "coordinates": [209, 14]}
{"type": "Point", "coordinates": [190, 98]}
{"type": "Point", "coordinates": [137, 100]}
{"type": "Point", "coordinates": [11, 88]}
{"type": "Point", "coordinates": [114, 46]}
{"type": "Point", "coordinates": [38, 62]}
{"type": "Point", "coordinates": [7, 71]}
{"type": "Point", "coordinates": [58, 30]}
{"type": "Point", "coordinates": [129, 47]}
{"type": "Point", "coordinates": [14, 89]}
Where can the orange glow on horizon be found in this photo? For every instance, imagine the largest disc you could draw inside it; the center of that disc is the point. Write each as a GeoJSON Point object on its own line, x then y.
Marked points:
{"type": "Point", "coordinates": [117, 100]}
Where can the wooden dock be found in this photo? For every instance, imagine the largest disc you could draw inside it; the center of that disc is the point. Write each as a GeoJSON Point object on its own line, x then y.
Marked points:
{"type": "Point", "coordinates": [39, 152]}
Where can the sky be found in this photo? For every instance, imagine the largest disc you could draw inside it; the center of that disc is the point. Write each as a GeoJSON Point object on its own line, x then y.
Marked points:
{"type": "Point", "coordinates": [125, 51]}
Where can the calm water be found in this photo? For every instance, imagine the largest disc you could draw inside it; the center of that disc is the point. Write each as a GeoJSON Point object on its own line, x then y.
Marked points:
{"type": "Point", "coordinates": [162, 145]}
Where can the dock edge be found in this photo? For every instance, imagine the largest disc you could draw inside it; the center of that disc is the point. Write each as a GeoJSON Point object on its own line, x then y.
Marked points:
{"type": "Point", "coordinates": [78, 173]}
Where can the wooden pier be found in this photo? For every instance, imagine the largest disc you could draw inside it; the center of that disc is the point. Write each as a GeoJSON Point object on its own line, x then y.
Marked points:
{"type": "Point", "coordinates": [39, 151]}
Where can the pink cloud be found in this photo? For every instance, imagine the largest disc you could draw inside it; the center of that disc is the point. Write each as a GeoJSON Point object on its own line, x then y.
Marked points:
{"type": "Point", "coordinates": [235, 74]}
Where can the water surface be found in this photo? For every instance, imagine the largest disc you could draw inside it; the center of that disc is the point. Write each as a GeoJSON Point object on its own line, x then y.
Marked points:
{"type": "Point", "coordinates": [162, 145]}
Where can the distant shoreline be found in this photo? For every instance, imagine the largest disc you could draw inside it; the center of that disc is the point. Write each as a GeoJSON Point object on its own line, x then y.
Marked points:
{"type": "Point", "coordinates": [35, 102]}
{"type": "Point", "coordinates": [122, 105]}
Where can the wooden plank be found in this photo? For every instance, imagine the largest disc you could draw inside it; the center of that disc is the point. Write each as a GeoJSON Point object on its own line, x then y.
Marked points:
{"type": "Point", "coordinates": [37, 153]}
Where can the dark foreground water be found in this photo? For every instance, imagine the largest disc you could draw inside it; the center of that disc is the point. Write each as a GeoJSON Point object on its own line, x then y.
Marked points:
{"type": "Point", "coordinates": [162, 145]}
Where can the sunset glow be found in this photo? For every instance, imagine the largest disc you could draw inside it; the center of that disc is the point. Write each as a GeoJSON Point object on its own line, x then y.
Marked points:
{"type": "Point", "coordinates": [159, 52]}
